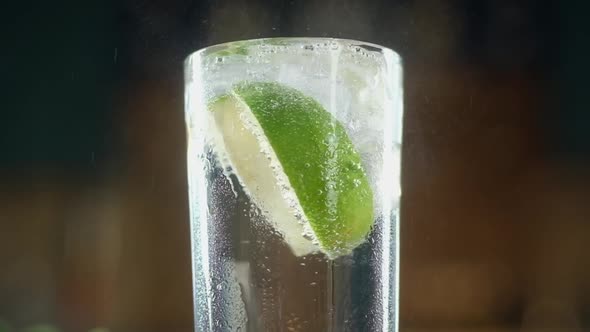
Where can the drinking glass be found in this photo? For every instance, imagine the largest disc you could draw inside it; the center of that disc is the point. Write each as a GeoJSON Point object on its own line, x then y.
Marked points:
{"type": "Point", "coordinates": [269, 121]}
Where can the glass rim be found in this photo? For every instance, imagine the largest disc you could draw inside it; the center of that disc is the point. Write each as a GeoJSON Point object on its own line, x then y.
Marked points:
{"type": "Point", "coordinates": [372, 47]}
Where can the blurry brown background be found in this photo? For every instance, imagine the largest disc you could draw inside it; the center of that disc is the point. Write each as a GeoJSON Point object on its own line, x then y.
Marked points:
{"type": "Point", "coordinates": [93, 203]}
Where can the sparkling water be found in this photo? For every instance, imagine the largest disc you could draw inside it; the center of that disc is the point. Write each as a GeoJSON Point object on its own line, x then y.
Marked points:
{"type": "Point", "coordinates": [248, 275]}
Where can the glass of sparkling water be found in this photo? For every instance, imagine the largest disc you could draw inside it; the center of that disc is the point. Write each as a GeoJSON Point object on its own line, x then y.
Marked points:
{"type": "Point", "coordinates": [294, 184]}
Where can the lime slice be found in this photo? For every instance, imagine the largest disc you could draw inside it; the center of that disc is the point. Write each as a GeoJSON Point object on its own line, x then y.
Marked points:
{"type": "Point", "coordinates": [297, 164]}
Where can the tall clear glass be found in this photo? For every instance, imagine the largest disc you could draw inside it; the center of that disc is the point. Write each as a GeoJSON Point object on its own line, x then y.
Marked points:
{"type": "Point", "coordinates": [294, 184]}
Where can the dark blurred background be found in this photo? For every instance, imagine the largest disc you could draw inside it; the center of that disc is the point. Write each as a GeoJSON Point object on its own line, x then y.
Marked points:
{"type": "Point", "coordinates": [93, 195]}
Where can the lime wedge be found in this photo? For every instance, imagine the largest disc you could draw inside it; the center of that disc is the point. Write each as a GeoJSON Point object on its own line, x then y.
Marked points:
{"type": "Point", "coordinates": [297, 164]}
